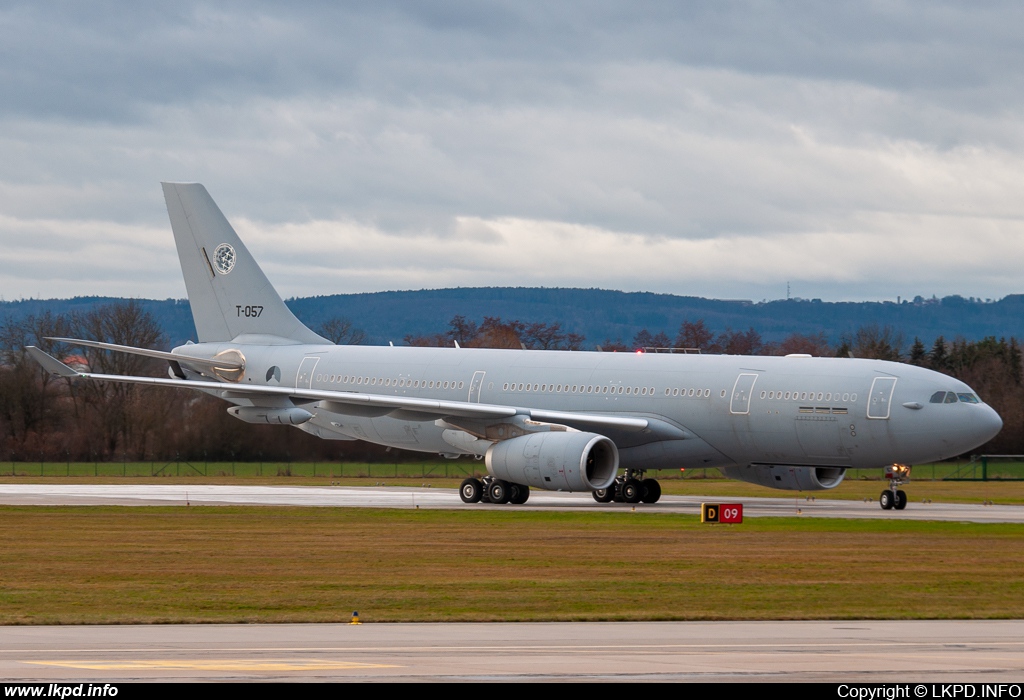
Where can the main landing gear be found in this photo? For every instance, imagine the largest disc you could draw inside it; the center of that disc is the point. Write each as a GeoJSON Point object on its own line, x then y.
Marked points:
{"type": "Point", "coordinates": [491, 490]}
{"type": "Point", "coordinates": [631, 487]}
{"type": "Point", "coordinates": [894, 497]}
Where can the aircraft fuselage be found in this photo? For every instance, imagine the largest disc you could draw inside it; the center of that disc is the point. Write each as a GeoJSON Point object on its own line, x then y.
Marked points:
{"type": "Point", "coordinates": [711, 410]}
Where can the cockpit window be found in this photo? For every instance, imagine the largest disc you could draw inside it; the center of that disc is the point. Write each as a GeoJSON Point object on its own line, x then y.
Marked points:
{"type": "Point", "coordinates": [953, 397]}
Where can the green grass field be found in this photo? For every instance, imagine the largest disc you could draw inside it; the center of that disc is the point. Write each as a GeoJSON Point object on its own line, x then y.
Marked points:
{"type": "Point", "coordinates": [264, 564]}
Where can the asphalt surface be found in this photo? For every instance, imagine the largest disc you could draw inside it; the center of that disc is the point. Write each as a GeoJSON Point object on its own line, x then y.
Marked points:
{"type": "Point", "coordinates": [400, 497]}
{"type": "Point", "coordinates": [833, 651]}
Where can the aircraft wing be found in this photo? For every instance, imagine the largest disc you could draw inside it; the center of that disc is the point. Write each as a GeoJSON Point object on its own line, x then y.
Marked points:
{"type": "Point", "coordinates": [358, 403]}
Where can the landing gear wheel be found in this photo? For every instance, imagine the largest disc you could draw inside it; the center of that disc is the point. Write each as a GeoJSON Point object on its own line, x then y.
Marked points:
{"type": "Point", "coordinates": [471, 490]}
{"type": "Point", "coordinates": [901, 500]}
{"type": "Point", "coordinates": [520, 494]}
{"type": "Point", "coordinates": [604, 495]}
{"type": "Point", "coordinates": [886, 500]}
{"type": "Point", "coordinates": [632, 492]}
{"type": "Point", "coordinates": [651, 490]}
{"type": "Point", "coordinates": [500, 491]}
{"type": "Point", "coordinates": [894, 496]}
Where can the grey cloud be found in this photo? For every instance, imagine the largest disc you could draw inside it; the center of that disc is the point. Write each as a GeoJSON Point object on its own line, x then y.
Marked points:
{"type": "Point", "coordinates": [668, 120]}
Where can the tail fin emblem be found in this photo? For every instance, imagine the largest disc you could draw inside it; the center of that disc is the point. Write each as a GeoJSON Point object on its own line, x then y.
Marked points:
{"type": "Point", "coordinates": [224, 258]}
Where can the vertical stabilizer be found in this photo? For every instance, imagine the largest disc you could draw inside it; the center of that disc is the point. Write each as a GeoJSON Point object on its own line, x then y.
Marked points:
{"type": "Point", "coordinates": [228, 292]}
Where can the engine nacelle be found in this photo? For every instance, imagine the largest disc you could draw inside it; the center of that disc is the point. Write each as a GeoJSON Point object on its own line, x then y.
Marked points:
{"type": "Point", "coordinates": [781, 476]}
{"type": "Point", "coordinates": [274, 416]}
{"type": "Point", "coordinates": [556, 461]}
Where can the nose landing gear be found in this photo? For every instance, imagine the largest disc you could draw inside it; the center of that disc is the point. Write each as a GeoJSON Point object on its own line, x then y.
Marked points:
{"type": "Point", "coordinates": [894, 497]}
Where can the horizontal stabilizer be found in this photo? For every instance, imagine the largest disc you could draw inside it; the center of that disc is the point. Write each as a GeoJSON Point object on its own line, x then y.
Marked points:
{"type": "Point", "coordinates": [51, 364]}
{"type": "Point", "coordinates": [218, 363]}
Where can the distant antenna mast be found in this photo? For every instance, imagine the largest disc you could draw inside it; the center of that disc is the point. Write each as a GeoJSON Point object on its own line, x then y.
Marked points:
{"type": "Point", "coordinates": [787, 291]}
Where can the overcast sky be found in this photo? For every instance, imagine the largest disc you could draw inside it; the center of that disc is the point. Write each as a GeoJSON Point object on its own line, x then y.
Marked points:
{"type": "Point", "coordinates": [857, 151]}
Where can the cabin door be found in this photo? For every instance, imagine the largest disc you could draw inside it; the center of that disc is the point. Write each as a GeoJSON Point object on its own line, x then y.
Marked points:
{"type": "Point", "coordinates": [475, 386]}
{"type": "Point", "coordinates": [741, 393]}
{"type": "Point", "coordinates": [304, 377]}
{"type": "Point", "coordinates": [880, 398]}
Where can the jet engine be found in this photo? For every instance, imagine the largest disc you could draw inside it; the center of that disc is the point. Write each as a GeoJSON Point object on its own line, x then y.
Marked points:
{"type": "Point", "coordinates": [556, 461]}
{"type": "Point", "coordinates": [778, 476]}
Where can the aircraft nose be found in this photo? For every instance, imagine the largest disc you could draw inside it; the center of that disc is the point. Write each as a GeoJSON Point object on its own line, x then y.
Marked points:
{"type": "Point", "coordinates": [987, 424]}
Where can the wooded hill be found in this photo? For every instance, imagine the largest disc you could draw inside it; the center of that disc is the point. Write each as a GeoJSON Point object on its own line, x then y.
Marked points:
{"type": "Point", "coordinates": [598, 315]}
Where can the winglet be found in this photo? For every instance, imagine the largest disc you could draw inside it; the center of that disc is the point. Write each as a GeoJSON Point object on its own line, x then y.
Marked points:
{"type": "Point", "coordinates": [50, 364]}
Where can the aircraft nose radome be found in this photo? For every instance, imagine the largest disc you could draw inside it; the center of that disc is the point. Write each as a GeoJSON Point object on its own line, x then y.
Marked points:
{"type": "Point", "coordinates": [987, 424]}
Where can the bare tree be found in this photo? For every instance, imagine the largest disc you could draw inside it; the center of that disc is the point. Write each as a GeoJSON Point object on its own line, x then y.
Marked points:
{"type": "Point", "coordinates": [341, 331]}
{"type": "Point", "coordinates": [29, 395]}
{"type": "Point", "coordinates": [695, 335]}
{"type": "Point", "coordinates": [122, 413]}
{"type": "Point", "coordinates": [495, 333]}
{"type": "Point", "coordinates": [878, 343]}
{"type": "Point", "coordinates": [797, 344]}
{"type": "Point", "coordinates": [461, 331]}
{"type": "Point", "coordinates": [740, 342]}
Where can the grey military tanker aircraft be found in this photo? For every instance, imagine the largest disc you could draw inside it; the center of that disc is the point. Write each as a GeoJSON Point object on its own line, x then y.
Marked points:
{"type": "Point", "coordinates": [554, 420]}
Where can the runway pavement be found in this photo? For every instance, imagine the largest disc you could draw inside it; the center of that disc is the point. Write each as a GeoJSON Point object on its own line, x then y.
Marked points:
{"type": "Point", "coordinates": [833, 651]}
{"type": "Point", "coordinates": [400, 497]}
